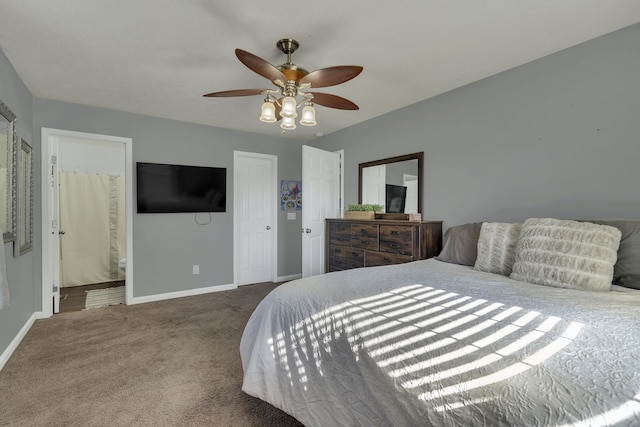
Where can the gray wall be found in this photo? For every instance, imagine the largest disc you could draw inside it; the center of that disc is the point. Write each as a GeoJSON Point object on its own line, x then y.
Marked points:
{"type": "Point", "coordinates": [20, 271]}
{"type": "Point", "coordinates": [557, 137]}
{"type": "Point", "coordinates": [165, 246]}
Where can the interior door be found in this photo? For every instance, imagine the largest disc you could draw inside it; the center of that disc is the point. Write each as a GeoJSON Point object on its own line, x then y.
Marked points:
{"type": "Point", "coordinates": [255, 204]}
{"type": "Point", "coordinates": [321, 188]}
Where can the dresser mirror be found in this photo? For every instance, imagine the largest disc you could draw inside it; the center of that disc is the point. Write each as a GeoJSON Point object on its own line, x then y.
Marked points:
{"type": "Point", "coordinates": [7, 172]}
{"type": "Point", "coordinates": [395, 183]}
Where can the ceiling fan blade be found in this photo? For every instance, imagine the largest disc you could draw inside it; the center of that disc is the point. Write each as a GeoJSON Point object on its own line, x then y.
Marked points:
{"type": "Point", "coordinates": [333, 101]}
{"type": "Point", "coordinates": [331, 76]}
{"type": "Point", "coordinates": [237, 92]}
{"type": "Point", "coordinates": [260, 66]}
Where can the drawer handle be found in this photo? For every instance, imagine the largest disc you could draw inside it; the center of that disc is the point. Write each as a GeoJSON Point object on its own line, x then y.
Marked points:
{"type": "Point", "coordinates": [386, 259]}
{"type": "Point", "coordinates": [364, 242]}
{"type": "Point", "coordinates": [395, 233]}
{"type": "Point", "coordinates": [355, 253]}
{"type": "Point", "coordinates": [394, 246]}
{"type": "Point", "coordinates": [364, 230]}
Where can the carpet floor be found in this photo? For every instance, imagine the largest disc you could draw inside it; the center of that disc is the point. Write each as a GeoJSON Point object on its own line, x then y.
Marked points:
{"type": "Point", "coordinates": [166, 363]}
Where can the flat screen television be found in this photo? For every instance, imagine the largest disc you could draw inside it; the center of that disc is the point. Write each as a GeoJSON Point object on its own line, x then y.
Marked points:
{"type": "Point", "coordinates": [396, 196]}
{"type": "Point", "coordinates": [165, 188]}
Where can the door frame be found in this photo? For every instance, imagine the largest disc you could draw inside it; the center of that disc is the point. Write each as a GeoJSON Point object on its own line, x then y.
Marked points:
{"type": "Point", "coordinates": [49, 138]}
{"type": "Point", "coordinates": [237, 232]}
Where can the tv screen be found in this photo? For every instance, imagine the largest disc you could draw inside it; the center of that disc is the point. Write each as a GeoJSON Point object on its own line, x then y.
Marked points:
{"type": "Point", "coordinates": [396, 196]}
{"type": "Point", "coordinates": [173, 188]}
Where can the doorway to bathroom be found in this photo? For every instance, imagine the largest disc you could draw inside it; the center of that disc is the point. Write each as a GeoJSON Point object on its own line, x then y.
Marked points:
{"type": "Point", "coordinates": [88, 221]}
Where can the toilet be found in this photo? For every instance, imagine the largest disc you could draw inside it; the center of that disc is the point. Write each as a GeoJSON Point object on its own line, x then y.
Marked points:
{"type": "Point", "coordinates": [122, 265]}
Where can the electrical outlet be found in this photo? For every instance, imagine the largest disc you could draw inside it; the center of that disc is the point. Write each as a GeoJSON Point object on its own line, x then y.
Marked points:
{"type": "Point", "coordinates": [196, 269]}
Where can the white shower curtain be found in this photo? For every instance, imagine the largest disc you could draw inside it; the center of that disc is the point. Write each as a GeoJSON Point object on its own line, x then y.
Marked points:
{"type": "Point", "coordinates": [92, 219]}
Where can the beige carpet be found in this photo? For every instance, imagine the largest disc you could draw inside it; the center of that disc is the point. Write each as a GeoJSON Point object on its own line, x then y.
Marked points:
{"type": "Point", "coordinates": [167, 363]}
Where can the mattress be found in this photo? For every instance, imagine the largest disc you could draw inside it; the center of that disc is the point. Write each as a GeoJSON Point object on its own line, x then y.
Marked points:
{"type": "Point", "coordinates": [432, 344]}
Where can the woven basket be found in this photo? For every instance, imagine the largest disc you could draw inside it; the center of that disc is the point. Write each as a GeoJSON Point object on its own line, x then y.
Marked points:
{"type": "Point", "coordinates": [359, 214]}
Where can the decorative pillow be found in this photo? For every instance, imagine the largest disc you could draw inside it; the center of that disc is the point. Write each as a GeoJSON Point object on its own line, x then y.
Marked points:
{"type": "Point", "coordinates": [497, 247]}
{"type": "Point", "coordinates": [566, 254]}
{"type": "Point", "coordinates": [461, 244]}
{"type": "Point", "coordinates": [626, 272]}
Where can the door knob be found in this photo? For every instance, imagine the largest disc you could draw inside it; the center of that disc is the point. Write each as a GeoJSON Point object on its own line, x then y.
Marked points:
{"type": "Point", "coordinates": [307, 230]}
{"type": "Point", "coordinates": [62, 232]}
{"type": "Point", "coordinates": [268, 227]}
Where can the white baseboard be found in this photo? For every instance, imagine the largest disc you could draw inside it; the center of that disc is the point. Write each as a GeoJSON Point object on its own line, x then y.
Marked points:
{"type": "Point", "coordinates": [4, 358]}
{"type": "Point", "coordinates": [181, 294]}
{"type": "Point", "coordinates": [287, 278]}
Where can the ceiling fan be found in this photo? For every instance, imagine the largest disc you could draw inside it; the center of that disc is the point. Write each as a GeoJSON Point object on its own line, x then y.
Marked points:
{"type": "Point", "coordinates": [292, 81]}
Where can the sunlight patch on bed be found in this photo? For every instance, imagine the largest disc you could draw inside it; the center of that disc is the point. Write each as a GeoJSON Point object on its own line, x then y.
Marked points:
{"type": "Point", "coordinates": [435, 344]}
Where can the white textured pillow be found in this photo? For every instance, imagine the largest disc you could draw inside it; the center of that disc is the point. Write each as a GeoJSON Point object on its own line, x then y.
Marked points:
{"type": "Point", "coordinates": [566, 254]}
{"type": "Point", "coordinates": [497, 247]}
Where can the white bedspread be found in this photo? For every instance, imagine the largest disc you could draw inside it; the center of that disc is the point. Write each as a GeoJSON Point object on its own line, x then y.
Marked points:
{"type": "Point", "coordinates": [431, 343]}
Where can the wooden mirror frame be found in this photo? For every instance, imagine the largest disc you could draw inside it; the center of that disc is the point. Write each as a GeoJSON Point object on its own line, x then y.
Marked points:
{"type": "Point", "coordinates": [414, 156]}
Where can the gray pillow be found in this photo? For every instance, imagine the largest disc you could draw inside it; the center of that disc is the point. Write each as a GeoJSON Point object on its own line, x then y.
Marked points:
{"type": "Point", "coordinates": [497, 247]}
{"type": "Point", "coordinates": [626, 271]}
{"type": "Point", "coordinates": [566, 254]}
{"type": "Point", "coordinates": [461, 244]}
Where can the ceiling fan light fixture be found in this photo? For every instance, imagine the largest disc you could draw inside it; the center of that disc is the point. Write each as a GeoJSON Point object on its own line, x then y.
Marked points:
{"type": "Point", "coordinates": [291, 83]}
{"type": "Point", "coordinates": [308, 116]}
{"type": "Point", "coordinates": [289, 106]}
{"type": "Point", "coordinates": [268, 112]}
{"type": "Point", "coordinates": [288, 123]}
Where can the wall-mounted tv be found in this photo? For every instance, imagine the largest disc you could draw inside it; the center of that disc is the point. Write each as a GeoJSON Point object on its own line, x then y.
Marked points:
{"type": "Point", "coordinates": [396, 196]}
{"type": "Point", "coordinates": [173, 188]}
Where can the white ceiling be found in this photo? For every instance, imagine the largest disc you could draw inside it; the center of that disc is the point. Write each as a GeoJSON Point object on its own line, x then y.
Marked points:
{"type": "Point", "coordinates": [158, 57]}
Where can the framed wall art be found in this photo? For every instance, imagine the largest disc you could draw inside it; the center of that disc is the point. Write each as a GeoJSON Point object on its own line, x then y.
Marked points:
{"type": "Point", "coordinates": [290, 195]}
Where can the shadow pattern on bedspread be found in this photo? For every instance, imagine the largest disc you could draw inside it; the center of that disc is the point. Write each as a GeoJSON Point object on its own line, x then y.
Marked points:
{"type": "Point", "coordinates": [454, 356]}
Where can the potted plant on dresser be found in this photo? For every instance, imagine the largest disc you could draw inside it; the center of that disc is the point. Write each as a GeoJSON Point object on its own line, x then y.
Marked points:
{"type": "Point", "coordinates": [365, 211]}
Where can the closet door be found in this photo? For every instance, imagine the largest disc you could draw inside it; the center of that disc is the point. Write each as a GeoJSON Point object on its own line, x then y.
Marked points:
{"type": "Point", "coordinates": [255, 207]}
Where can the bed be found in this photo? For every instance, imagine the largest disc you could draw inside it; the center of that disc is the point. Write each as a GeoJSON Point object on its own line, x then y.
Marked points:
{"type": "Point", "coordinates": [443, 343]}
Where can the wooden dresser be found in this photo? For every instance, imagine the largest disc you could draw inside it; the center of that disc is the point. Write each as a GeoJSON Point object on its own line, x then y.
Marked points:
{"type": "Point", "coordinates": [367, 243]}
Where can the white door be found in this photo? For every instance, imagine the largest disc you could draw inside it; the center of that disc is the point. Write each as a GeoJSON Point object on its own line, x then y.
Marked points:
{"type": "Point", "coordinates": [255, 217]}
{"type": "Point", "coordinates": [50, 141]}
{"type": "Point", "coordinates": [373, 185]}
{"type": "Point", "coordinates": [321, 188]}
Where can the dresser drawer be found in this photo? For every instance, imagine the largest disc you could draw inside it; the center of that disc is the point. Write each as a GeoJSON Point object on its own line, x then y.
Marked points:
{"type": "Point", "coordinates": [372, 259]}
{"type": "Point", "coordinates": [340, 239]}
{"type": "Point", "coordinates": [340, 234]}
{"type": "Point", "coordinates": [353, 254]}
{"type": "Point", "coordinates": [364, 236]}
{"type": "Point", "coordinates": [337, 263]}
{"type": "Point", "coordinates": [397, 239]}
{"type": "Point", "coordinates": [340, 228]}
